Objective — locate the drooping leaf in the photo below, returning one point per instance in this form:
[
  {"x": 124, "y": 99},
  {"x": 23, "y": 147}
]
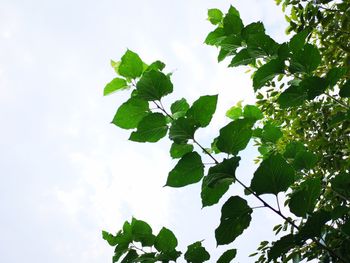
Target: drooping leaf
[
  {"x": 232, "y": 22},
  {"x": 179, "y": 150},
  {"x": 235, "y": 136},
  {"x": 215, "y": 16},
  {"x": 235, "y": 218},
  {"x": 153, "y": 85},
  {"x": 291, "y": 97},
  {"x": 202, "y": 110},
  {"x": 252, "y": 112},
  {"x": 131, "y": 65},
  {"x": 281, "y": 247},
  {"x": 196, "y": 253},
  {"x": 188, "y": 170},
  {"x": 182, "y": 130},
  {"x": 303, "y": 199},
  {"x": 274, "y": 175},
  {"x": 345, "y": 90},
  {"x": 267, "y": 72},
  {"x": 151, "y": 128},
  {"x": 304, "y": 160},
  {"x": 179, "y": 108},
  {"x": 130, "y": 113},
  {"x": 165, "y": 240},
  {"x": 243, "y": 57},
  {"x": 227, "y": 256},
  {"x": 224, "y": 171},
  {"x": 115, "y": 85},
  {"x": 212, "y": 195},
  {"x": 271, "y": 133},
  {"x": 305, "y": 60}
]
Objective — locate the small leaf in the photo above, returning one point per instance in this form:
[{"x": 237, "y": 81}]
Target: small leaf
[
  {"x": 215, "y": 16},
  {"x": 304, "y": 160},
  {"x": 345, "y": 90},
  {"x": 232, "y": 22},
  {"x": 303, "y": 199},
  {"x": 267, "y": 72},
  {"x": 291, "y": 97},
  {"x": 252, "y": 29},
  {"x": 196, "y": 253},
  {"x": 130, "y": 113},
  {"x": 243, "y": 57},
  {"x": 131, "y": 65},
  {"x": 179, "y": 150},
  {"x": 224, "y": 171},
  {"x": 234, "y": 112},
  {"x": 271, "y": 133},
  {"x": 261, "y": 45},
  {"x": 130, "y": 257},
  {"x": 188, "y": 170},
  {"x": 156, "y": 65},
  {"x": 115, "y": 65},
  {"x": 202, "y": 110},
  {"x": 215, "y": 37},
  {"x": 274, "y": 175},
  {"x": 252, "y": 112},
  {"x": 154, "y": 85},
  {"x": 115, "y": 85},
  {"x": 165, "y": 240},
  {"x": 235, "y": 218},
  {"x": 151, "y": 128},
  {"x": 168, "y": 256},
  {"x": 227, "y": 256},
  {"x": 181, "y": 130},
  {"x": 112, "y": 240},
  {"x": 235, "y": 136}
]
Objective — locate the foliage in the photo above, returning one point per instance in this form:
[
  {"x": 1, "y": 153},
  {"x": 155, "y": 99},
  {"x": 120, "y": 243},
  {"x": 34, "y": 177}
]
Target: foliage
[{"x": 300, "y": 124}]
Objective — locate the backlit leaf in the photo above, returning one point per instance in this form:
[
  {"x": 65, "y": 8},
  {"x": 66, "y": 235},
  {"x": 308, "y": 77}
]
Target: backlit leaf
[
  {"x": 115, "y": 85},
  {"x": 179, "y": 150},
  {"x": 267, "y": 72},
  {"x": 215, "y": 16},
  {"x": 131, "y": 65},
  {"x": 202, "y": 110}
]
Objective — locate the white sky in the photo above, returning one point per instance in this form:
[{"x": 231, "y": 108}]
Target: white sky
[{"x": 66, "y": 173}]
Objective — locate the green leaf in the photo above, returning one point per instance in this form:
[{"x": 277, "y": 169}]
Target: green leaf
[
  {"x": 212, "y": 195},
  {"x": 292, "y": 149},
  {"x": 242, "y": 58},
  {"x": 168, "y": 256},
  {"x": 297, "y": 42},
  {"x": 215, "y": 16},
  {"x": 227, "y": 256},
  {"x": 182, "y": 130},
  {"x": 234, "y": 112},
  {"x": 224, "y": 171},
  {"x": 154, "y": 85},
  {"x": 120, "y": 250},
  {"x": 252, "y": 112},
  {"x": 142, "y": 232},
  {"x": 341, "y": 184},
  {"x": 115, "y": 65},
  {"x": 151, "y": 128},
  {"x": 231, "y": 43},
  {"x": 267, "y": 72},
  {"x": 196, "y": 253},
  {"x": 112, "y": 240},
  {"x": 131, "y": 65},
  {"x": 202, "y": 110},
  {"x": 253, "y": 29},
  {"x": 235, "y": 136},
  {"x": 215, "y": 37},
  {"x": 130, "y": 113},
  {"x": 314, "y": 225},
  {"x": 274, "y": 175},
  {"x": 188, "y": 170},
  {"x": 304, "y": 160},
  {"x": 179, "y": 150},
  {"x": 345, "y": 90},
  {"x": 314, "y": 86},
  {"x": 130, "y": 257},
  {"x": 303, "y": 199},
  {"x": 115, "y": 85},
  {"x": 261, "y": 45},
  {"x": 281, "y": 247},
  {"x": 179, "y": 108},
  {"x": 235, "y": 218},
  {"x": 232, "y": 22},
  {"x": 334, "y": 75},
  {"x": 305, "y": 60},
  {"x": 291, "y": 97},
  {"x": 271, "y": 133},
  {"x": 156, "y": 65},
  {"x": 165, "y": 240}
]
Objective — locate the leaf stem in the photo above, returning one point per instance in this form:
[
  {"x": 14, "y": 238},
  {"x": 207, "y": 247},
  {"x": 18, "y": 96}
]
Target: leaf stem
[
  {"x": 338, "y": 101},
  {"x": 278, "y": 203}
]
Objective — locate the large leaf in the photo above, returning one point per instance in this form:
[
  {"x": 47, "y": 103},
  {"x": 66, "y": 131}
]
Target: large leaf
[
  {"x": 314, "y": 225},
  {"x": 215, "y": 37},
  {"x": 314, "y": 86},
  {"x": 267, "y": 72},
  {"x": 188, "y": 170},
  {"x": 252, "y": 29},
  {"x": 341, "y": 184},
  {"x": 291, "y": 97},
  {"x": 165, "y": 240},
  {"x": 261, "y": 45},
  {"x": 227, "y": 256},
  {"x": 281, "y": 247},
  {"x": 182, "y": 130},
  {"x": 224, "y": 171},
  {"x": 297, "y": 42},
  {"x": 179, "y": 108},
  {"x": 274, "y": 175},
  {"x": 304, "y": 160},
  {"x": 142, "y": 232},
  {"x": 305, "y": 60},
  {"x": 179, "y": 150},
  {"x": 151, "y": 128},
  {"x": 235, "y": 218},
  {"x": 154, "y": 85},
  {"x": 196, "y": 253},
  {"x": 215, "y": 16},
  {"x": 345, "y": 90},
  {"x": 130, "y": 113},
  {"x": 131, "y": 65},
  {"x": 243, "y": 57},
  {"x": 235, "y": 136},
  {"x": 271, "y": 133},
  {"x": 212, "y": 195},
  {"x": 293, "y": 148},
  {"x": 252, "y": 112},
  {"x": 115, "y": 85},
  {"x": 303, "y": 199},
  {"x": 202, "y": 110},
  {"x": 232, "y": 22}
]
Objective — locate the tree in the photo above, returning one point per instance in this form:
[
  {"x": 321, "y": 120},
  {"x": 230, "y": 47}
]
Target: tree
[{"x": 300, "y": 124}]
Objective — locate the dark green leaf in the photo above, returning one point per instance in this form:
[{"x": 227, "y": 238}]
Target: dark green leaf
[
  {"x": 231, "y": 43},
  {"x": 202, "y": 110},
  {"x": 334, "y": 75},
  {"x": 215, "y": 16},
  {"x": 314, "y": 225},
  {"x": 165, "y": 240},
  {"x": 305, "y": 60},
  {"x": 120, "y": 250},
  {"x": 154, "y": 85},
  {"x": 341, "y": 184},
  {"x": 115, "y": 85},
  {"x": 252, "y": 112},
  {"x": 271, "y": 133},
  {"x": 303, "y": 199},
  {"x": 179, "y": 150},
  {"x": 242, "y": 58},
  {"x": 232, "y": 22},
  {"x": 151, "y": 128},
  {"x": 142, "y": 232},
  {"x": 188, "y": 170},
  {"x": 261, "y": 45},
  {"x": 180, "y": 106},
  {"x": 130, "y": 113},
  {"x": 227, "y": 256},
  {"x": 297, "y": 42},
  {"x": 345, "y": 90},
  {"x": 156, "y": 65},
  {"x": 112, "y": 240},
  {"x": 274, "y": 175},
  {"x": 235, "y": 136},
  {"x": 291, "y": 97},
  {"x": 314, "y": 86},
  {"x": 292, "y": 149},
  {"x": 131, "y": 65},
  {"x": 281, "y": 247},
  {"x": 168, "y": 256},
  {"x": 130, "y": 257},
  {"x": 304, "y": 160},
  {"x": 212, "y": 195},
  {"x": 196, "y": 253},
  {"x": 224, "y": 171},
  {"x": 215, "y": 37},
  {"x": 182, "y": 130},
  {"x": 235, "y": 218},
  {"x": 253, "y": 29},
  {"x": 234, "y": 112},
  {"x": 267, "y": 72}
]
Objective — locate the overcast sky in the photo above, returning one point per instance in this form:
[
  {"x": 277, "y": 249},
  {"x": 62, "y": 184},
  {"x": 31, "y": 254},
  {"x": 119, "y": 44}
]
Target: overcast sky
[{"x": 66, "y": 172}]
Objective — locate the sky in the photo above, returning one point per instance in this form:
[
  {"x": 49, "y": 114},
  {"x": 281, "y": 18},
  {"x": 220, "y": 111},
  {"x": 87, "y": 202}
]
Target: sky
[{"x": 66, "y": 172}]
